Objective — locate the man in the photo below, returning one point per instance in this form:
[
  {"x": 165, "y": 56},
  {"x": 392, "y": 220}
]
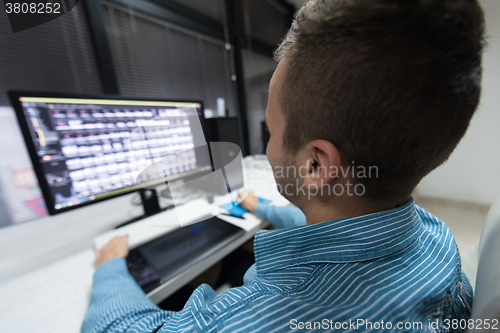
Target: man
[{"x": 368, "y": 97}]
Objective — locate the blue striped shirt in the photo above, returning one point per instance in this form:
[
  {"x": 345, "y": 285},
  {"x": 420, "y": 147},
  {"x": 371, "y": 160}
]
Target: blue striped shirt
[{"x": 389, "y": 271}]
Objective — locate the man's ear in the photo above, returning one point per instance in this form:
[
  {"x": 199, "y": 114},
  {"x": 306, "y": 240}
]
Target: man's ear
[{"x": 323, "y": 164}]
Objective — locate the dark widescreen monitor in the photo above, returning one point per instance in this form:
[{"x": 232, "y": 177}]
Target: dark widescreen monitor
[{"x": 86, "y": 149}]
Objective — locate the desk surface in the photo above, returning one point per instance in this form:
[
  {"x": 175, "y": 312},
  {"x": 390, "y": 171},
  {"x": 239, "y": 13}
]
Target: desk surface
[
  {"x": 51, "y": 299},
  {"x": 54, "y": 298}
]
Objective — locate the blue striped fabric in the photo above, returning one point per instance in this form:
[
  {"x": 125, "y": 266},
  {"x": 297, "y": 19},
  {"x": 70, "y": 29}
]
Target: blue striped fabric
[{"x": 392, "y": 271}]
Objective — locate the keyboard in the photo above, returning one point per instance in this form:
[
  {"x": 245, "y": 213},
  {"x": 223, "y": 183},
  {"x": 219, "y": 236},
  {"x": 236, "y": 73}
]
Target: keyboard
[{"x": 154, "y": 226}]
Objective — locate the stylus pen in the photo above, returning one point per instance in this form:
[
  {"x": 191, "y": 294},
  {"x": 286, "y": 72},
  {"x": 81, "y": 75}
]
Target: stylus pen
[{"x": 239, "y": 217}]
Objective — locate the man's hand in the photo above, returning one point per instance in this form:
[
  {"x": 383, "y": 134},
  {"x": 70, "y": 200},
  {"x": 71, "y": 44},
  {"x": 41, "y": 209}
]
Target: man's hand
[
  {"x": 248, "y": 200},
  {"x": 115, "y": 248}
]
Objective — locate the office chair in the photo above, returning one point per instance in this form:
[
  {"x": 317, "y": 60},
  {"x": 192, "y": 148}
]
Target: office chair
[{"x": 487, "y": 293}]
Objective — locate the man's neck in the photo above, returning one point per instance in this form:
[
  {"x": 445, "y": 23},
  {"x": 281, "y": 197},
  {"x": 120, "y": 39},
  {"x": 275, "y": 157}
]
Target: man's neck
[{"x": 319, "y": 210}]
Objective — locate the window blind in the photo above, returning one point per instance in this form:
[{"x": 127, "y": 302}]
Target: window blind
[
  {"x": 56, "y": 56},
  {"x": 258, "y": 71},
  {"x": 154, "y": 58},
  {"x": 212, "y": 8},
  {"x": 266, "y": 20}
]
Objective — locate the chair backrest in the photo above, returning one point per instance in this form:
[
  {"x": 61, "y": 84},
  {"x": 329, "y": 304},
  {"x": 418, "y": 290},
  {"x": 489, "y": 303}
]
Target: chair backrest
[{"x": 487, "y": 294}]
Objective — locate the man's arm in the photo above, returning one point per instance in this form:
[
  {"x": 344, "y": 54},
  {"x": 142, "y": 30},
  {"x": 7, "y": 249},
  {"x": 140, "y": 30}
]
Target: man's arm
[
  {"x": 117, "y": 302},
  {"x": 280, "y": 217}
]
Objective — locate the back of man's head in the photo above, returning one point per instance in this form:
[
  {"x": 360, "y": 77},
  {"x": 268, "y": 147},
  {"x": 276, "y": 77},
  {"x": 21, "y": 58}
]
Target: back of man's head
[{"x": 391, "y": 83}]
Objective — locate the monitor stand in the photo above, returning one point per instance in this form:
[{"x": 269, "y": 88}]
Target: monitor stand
[
  {"x": 150, "y": 203},
  {"x": 149, "y": 198}
]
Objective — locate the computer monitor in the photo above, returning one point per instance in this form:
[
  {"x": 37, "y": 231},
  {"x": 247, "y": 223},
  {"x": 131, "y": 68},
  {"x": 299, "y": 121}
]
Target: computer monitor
[{"x": 86, "y": 149}]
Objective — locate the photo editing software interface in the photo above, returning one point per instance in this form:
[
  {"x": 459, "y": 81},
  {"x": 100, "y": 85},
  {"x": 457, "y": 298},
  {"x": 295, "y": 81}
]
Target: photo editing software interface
[{"x": 91, "y": 149}]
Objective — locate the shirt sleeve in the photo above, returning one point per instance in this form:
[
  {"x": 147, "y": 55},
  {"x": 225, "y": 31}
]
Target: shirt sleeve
[
  {"x": 281, "y": 217},
  {"x": 117, "y": 303},
  {"x": 462, "y": 306}
]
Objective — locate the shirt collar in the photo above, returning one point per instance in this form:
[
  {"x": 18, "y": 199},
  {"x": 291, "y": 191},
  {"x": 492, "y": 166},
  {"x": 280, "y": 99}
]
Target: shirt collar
[{"x": 346, "y": 240}]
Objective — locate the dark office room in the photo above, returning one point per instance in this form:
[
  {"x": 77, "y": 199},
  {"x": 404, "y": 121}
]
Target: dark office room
[{"x": 249, "y": 166}]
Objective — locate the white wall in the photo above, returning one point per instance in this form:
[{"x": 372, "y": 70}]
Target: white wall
[{"x": 473, "y": 171}]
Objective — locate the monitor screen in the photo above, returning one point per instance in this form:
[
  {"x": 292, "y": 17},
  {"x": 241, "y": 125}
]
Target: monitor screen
[{"x": 86, "y": 149}]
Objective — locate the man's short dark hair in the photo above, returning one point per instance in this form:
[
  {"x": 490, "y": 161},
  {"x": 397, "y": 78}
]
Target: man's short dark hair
[{"x": 391, "y": 83}]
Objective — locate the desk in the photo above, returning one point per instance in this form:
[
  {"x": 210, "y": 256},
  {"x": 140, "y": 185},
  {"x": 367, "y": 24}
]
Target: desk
[{"x": 54, "y": 298}]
